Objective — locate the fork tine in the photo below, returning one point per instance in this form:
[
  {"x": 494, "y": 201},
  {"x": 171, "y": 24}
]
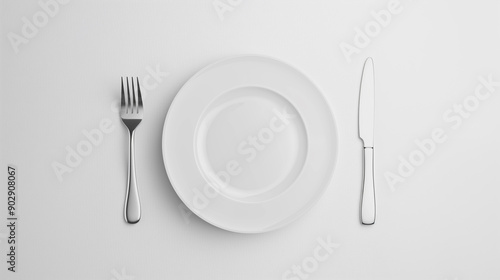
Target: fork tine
[
  {"x": 122, "y": 97},
  {"x": 139, "y": 96},
  {"x": 128, "y": 96},
  {"x": 134, "y": 104}
]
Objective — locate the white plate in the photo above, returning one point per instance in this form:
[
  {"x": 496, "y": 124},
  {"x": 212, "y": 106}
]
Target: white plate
[{"x": 249, "y": 144}]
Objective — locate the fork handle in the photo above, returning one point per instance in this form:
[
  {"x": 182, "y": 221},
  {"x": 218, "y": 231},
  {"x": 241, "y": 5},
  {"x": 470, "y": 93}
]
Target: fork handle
[
  {"x": 368, "y": 208},
  {"x": 132, "y": 202}
]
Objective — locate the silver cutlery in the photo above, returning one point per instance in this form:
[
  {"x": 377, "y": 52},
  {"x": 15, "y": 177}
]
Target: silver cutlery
[
  {"x": 131, "y": 113},
  {"x": 366, "y": 123}
]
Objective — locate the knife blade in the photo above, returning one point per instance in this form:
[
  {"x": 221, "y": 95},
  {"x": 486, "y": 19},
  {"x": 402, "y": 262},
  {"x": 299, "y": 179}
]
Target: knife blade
[{"x": 366, "y": 131}]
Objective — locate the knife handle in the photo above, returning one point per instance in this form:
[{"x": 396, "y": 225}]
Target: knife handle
[{"x": 368, "y": 196}]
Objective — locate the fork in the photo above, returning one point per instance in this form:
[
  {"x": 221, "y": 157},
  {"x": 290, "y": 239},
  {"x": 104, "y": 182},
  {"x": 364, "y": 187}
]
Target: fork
[{"x": 131, "y": 113}]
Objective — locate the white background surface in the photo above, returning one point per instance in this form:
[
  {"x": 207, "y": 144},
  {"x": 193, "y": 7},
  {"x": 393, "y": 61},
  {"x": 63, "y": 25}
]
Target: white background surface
[{"x": 442, "y": 222}]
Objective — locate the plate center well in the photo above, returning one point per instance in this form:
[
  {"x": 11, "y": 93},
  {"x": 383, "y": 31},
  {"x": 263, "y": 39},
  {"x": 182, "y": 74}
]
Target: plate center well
[{"x": 250, "y": 144}]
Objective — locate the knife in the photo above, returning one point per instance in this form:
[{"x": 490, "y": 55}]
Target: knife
[{"x": 366, "y": 120}]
